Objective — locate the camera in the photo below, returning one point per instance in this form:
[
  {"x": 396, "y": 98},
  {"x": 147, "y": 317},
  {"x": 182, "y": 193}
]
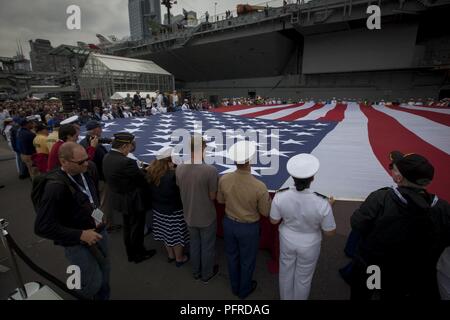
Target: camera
[
  {"x": 101, "y": 140},
  {"x": 105, "y": 140}
]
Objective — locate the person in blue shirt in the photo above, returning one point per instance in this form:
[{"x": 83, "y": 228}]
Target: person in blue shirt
[{"x": 25, "y": 145}]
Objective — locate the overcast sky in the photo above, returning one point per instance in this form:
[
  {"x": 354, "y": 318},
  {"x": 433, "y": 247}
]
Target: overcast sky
[{"x": 46, "y": 19}]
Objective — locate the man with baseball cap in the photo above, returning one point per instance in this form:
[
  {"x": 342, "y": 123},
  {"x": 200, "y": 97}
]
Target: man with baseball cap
[
  {"x": 305, "y": 215},
  {"x": 246, "y": 199},
  {"x": 94, "y": 133},
  {"x": 403, "y": 230}
]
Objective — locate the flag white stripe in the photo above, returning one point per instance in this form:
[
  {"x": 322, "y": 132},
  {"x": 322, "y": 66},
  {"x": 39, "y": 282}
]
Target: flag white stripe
[
  {"x": 316, "y": 114},
  {"x": 432, "y": 132},
  {"x": 286, "y": 112},
  {"x": 348, "y": 165},
  {"x": 255, "y": 109},
  {"x": 444, "y": 111}
]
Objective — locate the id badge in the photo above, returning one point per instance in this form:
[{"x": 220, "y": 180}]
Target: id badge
[{"x": 97, "y": 214}]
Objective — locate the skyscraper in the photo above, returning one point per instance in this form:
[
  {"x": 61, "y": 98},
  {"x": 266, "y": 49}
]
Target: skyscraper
[{"x": 143, "y": 14}]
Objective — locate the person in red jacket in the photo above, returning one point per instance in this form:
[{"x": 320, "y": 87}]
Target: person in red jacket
[{"x": 68, "y": 132}]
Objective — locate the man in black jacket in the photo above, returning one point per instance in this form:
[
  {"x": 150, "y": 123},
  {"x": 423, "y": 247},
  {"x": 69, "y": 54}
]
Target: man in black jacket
[
  {"x": 68, "y": 215},
  {"x": 125, "y": 183},
  {"x": 403, "y": 230}
]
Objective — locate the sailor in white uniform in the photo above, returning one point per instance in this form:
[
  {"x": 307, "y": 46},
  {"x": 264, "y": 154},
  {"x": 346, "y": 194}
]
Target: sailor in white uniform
[{"x": 304, "y": 215}]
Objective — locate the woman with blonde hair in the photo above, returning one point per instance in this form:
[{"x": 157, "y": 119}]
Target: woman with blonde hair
[{"x": 168, "y": 218}]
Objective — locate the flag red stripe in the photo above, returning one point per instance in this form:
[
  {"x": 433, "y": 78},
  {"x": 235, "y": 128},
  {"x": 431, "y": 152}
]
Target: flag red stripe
[
  {"x": 387, "y": 134},
  {"x": 239, "y": 107},
  {"x": 300, "y": 113},
  {"x": 430, "y": 115},
  {"x": 269, "y": 111},
  {"x": 335, "y": 114}
]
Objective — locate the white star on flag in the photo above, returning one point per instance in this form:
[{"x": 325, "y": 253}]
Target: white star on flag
[
  {"x": 275, "y": 152},
  {"x": 290, "y": 141},
  {"x": 232, "y": 168},
  {"x": 140, "y": 124},
  {"x": 321, "y": 124},
  {"x": 110, "y": 124},
  {"x": 165, "y": 125},
  {"x": 132, "y": 130},
  {"x": 165, "y": 137},
  {"x": 163, "y": 130},
  {"x": 296, "y": 126},
  {"x": 313, "y": 129},
  {"x": 272, "y": 135},
  {"x": 303, "y": 134},
  {"x": 214, "y": 144},
  {"x": 221, "y": 153}
]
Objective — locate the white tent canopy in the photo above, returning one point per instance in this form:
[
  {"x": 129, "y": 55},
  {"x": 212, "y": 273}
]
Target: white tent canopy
[
  {"x": 123, "y": 95},
  {"x": 116, "y": 63}
]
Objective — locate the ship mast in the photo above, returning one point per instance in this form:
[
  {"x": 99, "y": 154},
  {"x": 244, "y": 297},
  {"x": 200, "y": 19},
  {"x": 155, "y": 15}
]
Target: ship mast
[{"x": 168, "y": 4}]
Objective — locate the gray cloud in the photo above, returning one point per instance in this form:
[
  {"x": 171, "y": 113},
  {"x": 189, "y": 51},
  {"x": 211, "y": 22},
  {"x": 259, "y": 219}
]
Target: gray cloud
[{"x": 46, "y": 19}]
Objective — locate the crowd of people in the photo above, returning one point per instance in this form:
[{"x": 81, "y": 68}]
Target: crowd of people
[
  {"x": 80, "y": 188},
  {"x": 236, "y": 101}
]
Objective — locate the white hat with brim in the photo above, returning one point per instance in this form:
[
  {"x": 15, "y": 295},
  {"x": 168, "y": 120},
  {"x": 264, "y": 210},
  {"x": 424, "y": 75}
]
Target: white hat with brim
[
  {"x": 164, "y": 153},
  {"x": 69, "y": 120},
  {"x": 303, "y": 166},
  {"x": 242, "y": 151}
]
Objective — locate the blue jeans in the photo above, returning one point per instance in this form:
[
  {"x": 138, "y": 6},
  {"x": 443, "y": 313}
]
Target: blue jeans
[
  {"x": 241, "y": 248},
  {"x": 203, "y": 246},
  {"x": 21, "y": 167},
  {"x": 94, "y": 275}
]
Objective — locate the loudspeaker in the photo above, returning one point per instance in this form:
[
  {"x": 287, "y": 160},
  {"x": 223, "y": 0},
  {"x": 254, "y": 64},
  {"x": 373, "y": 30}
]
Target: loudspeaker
[
  {"x": 89, "y": 105},
  {"x": 70, "y": 100}
]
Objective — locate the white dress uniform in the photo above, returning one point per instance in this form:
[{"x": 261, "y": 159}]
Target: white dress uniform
[
  {"x": 443, "y": 274},
  {"x": 304, "y": 215}
]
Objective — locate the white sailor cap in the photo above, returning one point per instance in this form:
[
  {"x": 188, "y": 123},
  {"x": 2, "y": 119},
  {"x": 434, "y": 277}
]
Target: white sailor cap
[
  {"x": 164, "y": 152},
  {"x": 70, "y": 120},
  {"x": 242, "y": 151},
  {"x": 303, "y": 166}
]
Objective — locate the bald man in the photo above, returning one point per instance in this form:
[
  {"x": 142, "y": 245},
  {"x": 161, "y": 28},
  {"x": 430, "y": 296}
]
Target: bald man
[{"x": 68, "y": 214}]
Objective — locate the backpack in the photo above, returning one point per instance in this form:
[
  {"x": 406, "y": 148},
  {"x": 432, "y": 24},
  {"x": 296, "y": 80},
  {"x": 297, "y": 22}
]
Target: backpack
[{"x": 39, "y": 183}]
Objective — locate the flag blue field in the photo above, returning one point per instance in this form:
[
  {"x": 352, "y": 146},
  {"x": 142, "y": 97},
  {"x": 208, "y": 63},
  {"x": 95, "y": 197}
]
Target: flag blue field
[{"x": 352, "y": 141}]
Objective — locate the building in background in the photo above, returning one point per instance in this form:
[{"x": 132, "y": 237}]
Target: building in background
[
  {"x": 104, "y": 75},
  {"x": 43, "y": 61},
  {"x": 145, "y": 18}
]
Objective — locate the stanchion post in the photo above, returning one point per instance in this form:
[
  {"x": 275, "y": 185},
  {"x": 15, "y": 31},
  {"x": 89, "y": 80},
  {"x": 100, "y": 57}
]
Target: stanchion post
[{"x": 4, "y": 232}]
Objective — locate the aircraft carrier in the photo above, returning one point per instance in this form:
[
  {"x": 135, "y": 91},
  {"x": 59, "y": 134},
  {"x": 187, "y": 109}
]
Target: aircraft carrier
[{"x": 320, "y": 49}]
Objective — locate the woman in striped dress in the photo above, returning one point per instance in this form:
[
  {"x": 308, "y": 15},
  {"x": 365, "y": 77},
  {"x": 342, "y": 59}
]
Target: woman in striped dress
[{"x": 168, "y": 219}]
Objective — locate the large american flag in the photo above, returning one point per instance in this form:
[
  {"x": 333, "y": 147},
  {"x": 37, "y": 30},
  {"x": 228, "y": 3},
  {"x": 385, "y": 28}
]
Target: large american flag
[{"x": 351, "y": 140}]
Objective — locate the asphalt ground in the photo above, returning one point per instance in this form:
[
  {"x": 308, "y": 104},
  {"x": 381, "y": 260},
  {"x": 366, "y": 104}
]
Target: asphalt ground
[{"x": 154, "y": 278}]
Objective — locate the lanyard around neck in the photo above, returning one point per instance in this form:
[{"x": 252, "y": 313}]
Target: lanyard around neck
[{"x": 84, "y": 189}]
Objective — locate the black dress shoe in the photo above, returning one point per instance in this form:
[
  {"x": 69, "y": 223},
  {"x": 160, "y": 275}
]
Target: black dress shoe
[
  {"x": 254, "y": 285},
  {"x": 144, "y": 256}
]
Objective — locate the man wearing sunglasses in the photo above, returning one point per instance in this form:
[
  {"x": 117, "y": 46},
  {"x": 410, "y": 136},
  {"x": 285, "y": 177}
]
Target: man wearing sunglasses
[
  {"x": 403, "y": 230},
  {"x": 69, "y": 215}
]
